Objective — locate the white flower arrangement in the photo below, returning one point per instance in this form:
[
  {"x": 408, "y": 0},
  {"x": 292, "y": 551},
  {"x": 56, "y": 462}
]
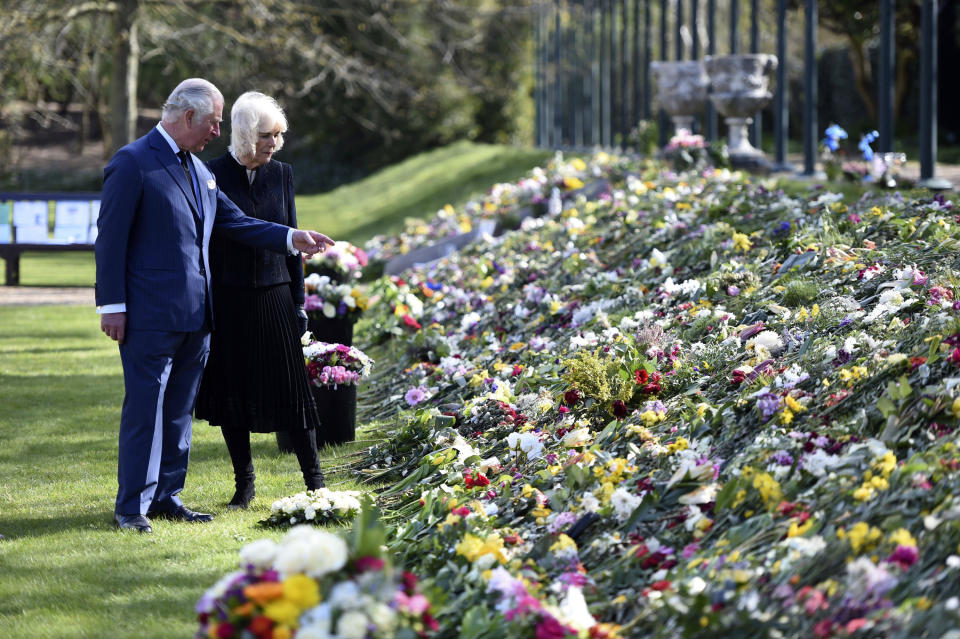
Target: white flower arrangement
[{"x": 315, "y": 507}]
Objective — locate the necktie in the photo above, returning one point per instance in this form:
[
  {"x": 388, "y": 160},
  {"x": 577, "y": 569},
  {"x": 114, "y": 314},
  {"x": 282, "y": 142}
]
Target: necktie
[{"x": 185, "y": 163}]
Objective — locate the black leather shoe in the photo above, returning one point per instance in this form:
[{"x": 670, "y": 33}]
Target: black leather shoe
[
  {"x": 133, "y": 522},
  {"x": 182, "y": 513}
]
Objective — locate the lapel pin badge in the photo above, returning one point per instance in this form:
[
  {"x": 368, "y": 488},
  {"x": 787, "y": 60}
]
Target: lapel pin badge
[{"x": 211, "y": 184}]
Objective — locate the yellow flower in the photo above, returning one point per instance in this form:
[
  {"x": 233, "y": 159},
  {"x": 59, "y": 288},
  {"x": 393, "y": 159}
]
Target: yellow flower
[
  {"x": 886, "y": 464},
  {"x": 651, "y": 417},
  {"x": 902, "y": 537},
  {"x": 301, "y": 590},
  {"x": 786, "y": 416},
  {"x": 863, "y": 536},
  {"x": 473, "y": 547},
  {"x": 282, "y": 632},
  {"x": 741, "y": 242},
  {"x": 283, "y": 611},
  {"x": 578, "y": 164},
  {"x": 677, "y": 446},
  {"x": 769, "y": 489},
  {"x": 955, "y": 408},
  {"x": 797, "y": 530},
  {"x": 793, "y": 404},
  {"x": 563, "y": 542}
]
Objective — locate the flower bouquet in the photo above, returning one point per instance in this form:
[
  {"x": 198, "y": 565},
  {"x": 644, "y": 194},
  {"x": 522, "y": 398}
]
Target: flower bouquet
[
  {"x": 335, "y": 365},
  {"x": 320, "y": 506},
  {"x": 314, "y": 584},
  {"x": 327, "y": 299},
  {"x": 341, "y": 262}
]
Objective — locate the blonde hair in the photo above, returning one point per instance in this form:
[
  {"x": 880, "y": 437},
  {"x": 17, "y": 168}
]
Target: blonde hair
[
  {"x": 252, "y": 113},
  {"x": 193, "y": 93}
]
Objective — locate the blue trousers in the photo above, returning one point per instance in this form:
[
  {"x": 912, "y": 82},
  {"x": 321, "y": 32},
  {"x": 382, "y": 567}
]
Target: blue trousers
[{"x": 161, "y": 375}]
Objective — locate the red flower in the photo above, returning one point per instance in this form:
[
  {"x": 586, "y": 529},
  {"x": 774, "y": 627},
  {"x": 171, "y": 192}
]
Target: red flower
[
  {"x": 823, "y": 629},
  {"x": 640, "y": 376},
  {"x": 225, "y": 630},
  {"x": 661, "y": 585},
  {"x": 955, "y": 356},
  {"x": 461, "y": 511},
  {"x": 480, "y": 479},
  {"x": 737, "y": 378},
  {"x": 917, "y": 362},
  {"x": 412, "y": 323},
  {"x": 261, "y": 626},
  {"x": 550, "y": 628},
  {"x": 409, "y": 582},
  {"x": 517, "y": 369},
  {"x": 619, "y": 409},
  {"x": 571, "y": 397},
  {"x": 369, "y": 564}
]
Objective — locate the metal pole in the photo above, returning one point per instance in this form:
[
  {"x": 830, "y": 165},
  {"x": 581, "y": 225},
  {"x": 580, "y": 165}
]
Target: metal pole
[
  {"x": 678, "y": 31},
  {"x": 711, "y": 50},
  {"x": 537, "y": 83},
  {"x": 810, "y": 91},
  {"x": 928, "y": 99},
  {"x": 558, "y": 79},
  {"x": 595, "y": 86},
  {"x": 757, "y": 124},
  {"x": 635, "y": 113},
  {"x": 647, "y": 55},
  {"x": 605, "y": 73},
  {"x": 885, "y": 78},
  {"x": 694, "y": 30},
  {"x": 781, "y": 111},
  {"x": 624, "y": 77},
  {"x": 734, "y": 20},
  {"x": 664, "y": 123}
]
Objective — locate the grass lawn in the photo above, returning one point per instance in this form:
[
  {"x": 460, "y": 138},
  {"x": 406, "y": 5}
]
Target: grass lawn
[
  {"x": 379, "y": 204},
  {"x": 66, "y": 571}
]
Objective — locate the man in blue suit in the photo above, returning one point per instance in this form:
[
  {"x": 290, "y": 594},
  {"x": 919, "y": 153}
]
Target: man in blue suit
[{"x": 159, "y": 206}]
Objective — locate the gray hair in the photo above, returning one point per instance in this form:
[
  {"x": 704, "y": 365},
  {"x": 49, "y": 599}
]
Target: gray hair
[
  {"x": 193, "y": 93},
  {"x": 252, "y": 113}
]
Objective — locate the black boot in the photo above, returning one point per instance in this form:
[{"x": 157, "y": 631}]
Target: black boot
[
  {"x": 238, "y": 445},
  {"x": 305, "y": 446}
]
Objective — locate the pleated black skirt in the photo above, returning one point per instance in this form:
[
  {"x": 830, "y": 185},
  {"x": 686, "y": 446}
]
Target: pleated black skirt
[{"x": 255, "y": 378}]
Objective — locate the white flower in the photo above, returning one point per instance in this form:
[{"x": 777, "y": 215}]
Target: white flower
[
  {"x": 574, "y": 611},
  {"x": 577, "y": 437},
  {"x": 767, "y": 340},
  {"x": 309, "y": 551},
  {"x": 329, "y": 310},
  {"x": 624, "y": 503},
  {"x": 589, "y": 503},
  {"x": 353, "y": 625},
  {"x": 696, "y": 585},
  {"x": 344, "y": 595},
  {"x": 259, "y": 554},
  {"x": 527, "y": 442}
]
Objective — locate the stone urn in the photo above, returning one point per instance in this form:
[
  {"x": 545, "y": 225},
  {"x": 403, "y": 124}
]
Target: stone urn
[
  {"x": 681, "y": 90},
  {"x": 740, "y": 87}
]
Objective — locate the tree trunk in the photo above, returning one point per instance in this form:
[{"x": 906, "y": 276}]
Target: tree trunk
[{"x": 123, "y": 80}]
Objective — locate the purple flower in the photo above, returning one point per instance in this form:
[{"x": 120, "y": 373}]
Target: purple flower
[
  {"x": 782, "y": 458},
  {"x": 769, "y": 404},
  {"x": 415, "y": 395},
  {"x": 733, "y": 291}
]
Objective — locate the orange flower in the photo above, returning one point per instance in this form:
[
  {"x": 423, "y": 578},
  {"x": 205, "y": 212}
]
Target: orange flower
[{"x": 264, "y": 591}]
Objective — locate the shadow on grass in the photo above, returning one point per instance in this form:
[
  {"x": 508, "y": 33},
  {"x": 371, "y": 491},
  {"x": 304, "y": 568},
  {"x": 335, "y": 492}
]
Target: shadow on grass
[{"x": 27, "y": 527}]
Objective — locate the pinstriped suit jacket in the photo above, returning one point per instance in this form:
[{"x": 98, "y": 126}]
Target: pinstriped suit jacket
[{"x": 151, "y": 247}]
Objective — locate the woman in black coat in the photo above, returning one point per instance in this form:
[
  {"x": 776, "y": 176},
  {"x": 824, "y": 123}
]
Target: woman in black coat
[{"x": 255, "y": 379}]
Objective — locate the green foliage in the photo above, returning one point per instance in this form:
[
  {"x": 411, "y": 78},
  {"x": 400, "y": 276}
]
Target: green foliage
[{"x": 599, "y": 376}]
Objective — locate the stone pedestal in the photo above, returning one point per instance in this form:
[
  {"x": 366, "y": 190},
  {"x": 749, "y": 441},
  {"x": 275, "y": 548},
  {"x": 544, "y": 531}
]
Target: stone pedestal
[
  {"x": 740, "y": 88},
  {"x": 681, "y": 90}
]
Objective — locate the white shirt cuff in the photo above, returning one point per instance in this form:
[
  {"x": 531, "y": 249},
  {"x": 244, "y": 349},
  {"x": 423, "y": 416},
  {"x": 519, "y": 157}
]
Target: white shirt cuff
[
  {"x": 290, "y": 249},
  {"x": 112, "y": 308}
]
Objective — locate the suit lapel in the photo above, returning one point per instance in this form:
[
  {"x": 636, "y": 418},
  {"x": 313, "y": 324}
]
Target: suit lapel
[{"x": 168, "y": 159}]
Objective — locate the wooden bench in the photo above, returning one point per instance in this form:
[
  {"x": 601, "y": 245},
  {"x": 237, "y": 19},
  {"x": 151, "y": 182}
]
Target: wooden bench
[{"x": 11, "y": 251}]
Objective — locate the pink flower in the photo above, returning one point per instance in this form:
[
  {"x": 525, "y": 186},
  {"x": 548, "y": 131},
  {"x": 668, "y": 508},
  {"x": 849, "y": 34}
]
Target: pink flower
[
  {"x": 368, "y": 564},
  {"x": 416, "y": 605},
  {"x": 906, "y": 556},
  {"x": 550, "y": 628},
  {"x": 415, "y": 395}
]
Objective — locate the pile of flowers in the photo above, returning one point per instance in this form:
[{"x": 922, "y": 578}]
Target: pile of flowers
[
  {"x": 320, "y": 506},
  {"x": 334, "y": 365},
  {"x": 325, "y": 298},
  {"x": 314, "y": 584},
  {"x": 341, "y": 262},
  {"x": 691, "y": 405}
]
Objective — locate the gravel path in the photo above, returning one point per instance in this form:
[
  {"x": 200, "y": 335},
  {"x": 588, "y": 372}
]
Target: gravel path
[{"x": 31, "y": 295}]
